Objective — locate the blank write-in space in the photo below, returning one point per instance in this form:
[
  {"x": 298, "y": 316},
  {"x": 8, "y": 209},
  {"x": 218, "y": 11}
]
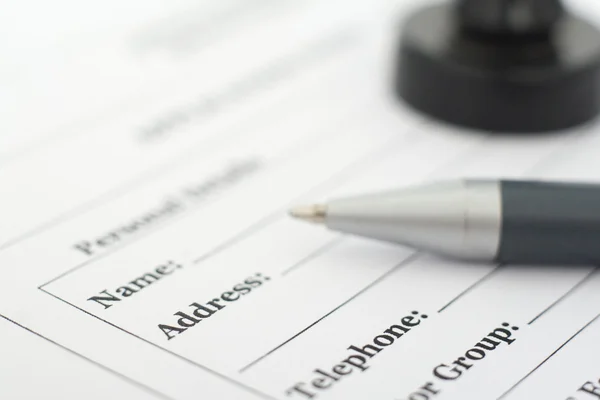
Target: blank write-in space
[{"x": 403, "y": 263}]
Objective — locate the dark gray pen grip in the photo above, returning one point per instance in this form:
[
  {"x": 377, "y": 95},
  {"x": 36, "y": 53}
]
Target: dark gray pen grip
[{"x": 550, "y": 223}]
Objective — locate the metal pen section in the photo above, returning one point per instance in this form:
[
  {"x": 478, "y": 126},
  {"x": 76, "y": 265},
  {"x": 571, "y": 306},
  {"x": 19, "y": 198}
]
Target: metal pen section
[{"x": 459, "y": 219}]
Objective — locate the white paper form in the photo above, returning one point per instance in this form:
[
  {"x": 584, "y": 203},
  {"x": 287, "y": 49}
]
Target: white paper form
[
  {"x": 33, "y": 367},
  {"x": 154, "y": 247}
]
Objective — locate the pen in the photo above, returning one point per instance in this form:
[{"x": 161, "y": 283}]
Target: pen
[{"x": 532, "y": 222}]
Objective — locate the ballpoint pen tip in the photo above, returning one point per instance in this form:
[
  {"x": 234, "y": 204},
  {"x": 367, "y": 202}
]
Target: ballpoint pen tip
[{"x": 312, "y": 213}]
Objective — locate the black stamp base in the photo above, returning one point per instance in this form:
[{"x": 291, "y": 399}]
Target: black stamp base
[{"x": 485, "y": 83}]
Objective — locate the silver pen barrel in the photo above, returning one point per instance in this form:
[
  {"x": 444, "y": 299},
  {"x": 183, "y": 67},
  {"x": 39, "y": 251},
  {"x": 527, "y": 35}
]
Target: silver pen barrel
[{"x": 460, "y": 219}]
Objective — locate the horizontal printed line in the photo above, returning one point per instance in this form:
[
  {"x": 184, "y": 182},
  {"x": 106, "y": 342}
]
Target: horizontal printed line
[
  {"x": 176, "y": 355},
  {"x": 403, "y": 263},
  {"x": 101, "y": 366},
  {"x": 547, "y": 358},
  {"x": 315, "y": 254},
  {"x": 564, "y": 296},
  {"x": 467, "y": 290}
]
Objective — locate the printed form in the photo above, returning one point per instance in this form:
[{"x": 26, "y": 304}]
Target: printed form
[{"x": 146, "y": 250}]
